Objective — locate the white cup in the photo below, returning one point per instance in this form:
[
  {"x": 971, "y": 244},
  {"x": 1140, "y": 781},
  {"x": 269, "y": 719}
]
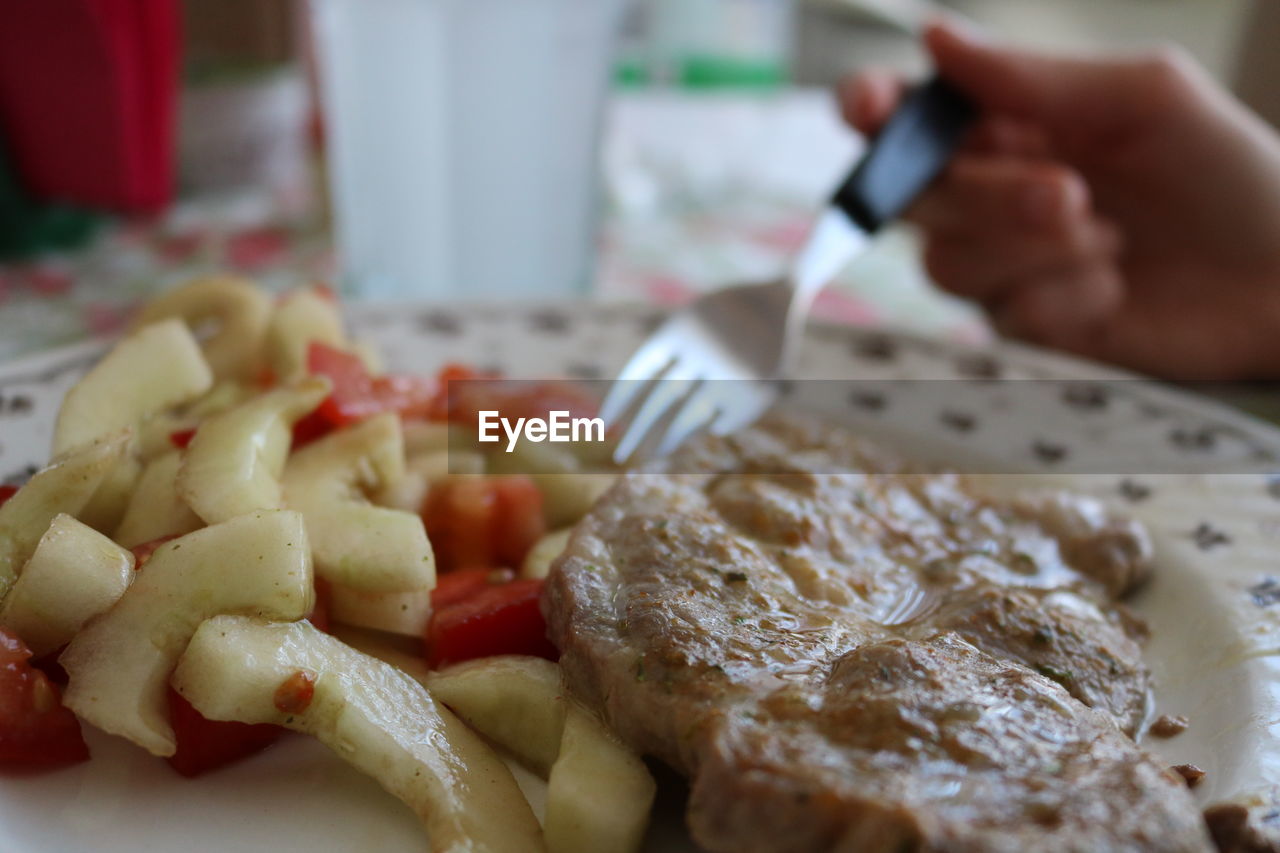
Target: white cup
[{"x": 462, "y": 139}]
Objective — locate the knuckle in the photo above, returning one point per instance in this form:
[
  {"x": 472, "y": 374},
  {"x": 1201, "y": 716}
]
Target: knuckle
[{"x": 1169, "y": 70}]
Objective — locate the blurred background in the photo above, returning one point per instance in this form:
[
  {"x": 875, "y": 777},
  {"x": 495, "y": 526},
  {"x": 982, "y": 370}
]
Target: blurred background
[{"x": 451, "y": 149}]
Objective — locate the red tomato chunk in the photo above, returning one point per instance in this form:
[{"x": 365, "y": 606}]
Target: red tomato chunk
[
  {"x": 497, "y": 620},
  {"x": 481, "y": 522},
  {"x": 453, "y": 587},
  {"x": 356, "y": 395},
  {"x": 36, "y": 730},
  {"x": 205, "y": 744}
]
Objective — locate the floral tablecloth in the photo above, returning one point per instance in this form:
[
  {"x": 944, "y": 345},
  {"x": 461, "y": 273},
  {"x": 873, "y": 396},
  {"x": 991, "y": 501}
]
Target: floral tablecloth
[{"x": 702, "y": 190}]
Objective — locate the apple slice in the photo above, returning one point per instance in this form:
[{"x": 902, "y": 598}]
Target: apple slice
[
  {"x": 155, "y": 510},
  {"x": 119, "y": 664},
  {"x": 537, "y": 563},
  {"x": 568, "y": 490},
  {"x": 235, "y": 312},
  {"x": 302, "y": 317},
  {"x": 370, "y": 713},
  {"x": 155, "y": 437},
  {"x": 599, "y": 794},
  {"x": 74, "y": 574},
  {"x": 355, "y": 543},
  {"x": 109, "y": 503},
  {"x": 370, "y": 356},
  {"x": 155, "y": 368},
  {"x": 567, "y": 497},
  {"x": 422, "y": 471},
  {"x": 514, "y": 700},
  {"x": 234, "y": 462},
  {"x": 65, "y": 486},
  {"x": 421, "y": 437},
  {"x": 404, "y": 613}
]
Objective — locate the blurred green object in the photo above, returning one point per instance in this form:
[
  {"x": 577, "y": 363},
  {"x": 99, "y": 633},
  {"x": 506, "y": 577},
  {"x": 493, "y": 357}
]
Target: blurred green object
[
  {"x": 630, "y": 74},
  {"x": 715, "y": 72},
  {"x": 28, "y": 227}
]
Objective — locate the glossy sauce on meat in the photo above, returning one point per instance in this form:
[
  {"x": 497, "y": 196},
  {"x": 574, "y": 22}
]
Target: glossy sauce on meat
[{"x": 845, "y": 654}]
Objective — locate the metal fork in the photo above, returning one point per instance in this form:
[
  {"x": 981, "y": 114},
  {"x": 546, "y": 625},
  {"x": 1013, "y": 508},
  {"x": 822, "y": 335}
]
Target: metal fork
[{"x": 715, "y": 364}]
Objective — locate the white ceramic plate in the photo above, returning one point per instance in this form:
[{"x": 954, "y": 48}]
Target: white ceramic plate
[{"x": 1189, "y": 469}]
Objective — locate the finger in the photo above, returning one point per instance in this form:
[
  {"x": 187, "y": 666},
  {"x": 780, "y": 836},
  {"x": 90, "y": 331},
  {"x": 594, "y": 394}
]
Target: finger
[
  {"x": 1008, "y": 136},
  {"x": 1153, "y": 337},
  {"x": 983, "y": 193},
  {"x": 1067, "y": 93},
  {"x": 1062, "y": 307},
  {"x": 868, "y": 98},
  {"x": 987, "y": 267}
]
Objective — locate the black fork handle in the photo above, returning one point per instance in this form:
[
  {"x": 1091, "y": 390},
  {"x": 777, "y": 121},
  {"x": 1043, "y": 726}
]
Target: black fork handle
[{"x": 906, "y": 155}]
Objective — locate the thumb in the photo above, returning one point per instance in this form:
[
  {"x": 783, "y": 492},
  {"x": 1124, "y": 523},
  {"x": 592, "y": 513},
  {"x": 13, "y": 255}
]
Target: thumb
[{"x": 1060, "y": 92}]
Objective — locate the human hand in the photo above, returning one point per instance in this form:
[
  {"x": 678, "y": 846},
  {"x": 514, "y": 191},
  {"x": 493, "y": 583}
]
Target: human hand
[{"x": 1122, "y": 208}]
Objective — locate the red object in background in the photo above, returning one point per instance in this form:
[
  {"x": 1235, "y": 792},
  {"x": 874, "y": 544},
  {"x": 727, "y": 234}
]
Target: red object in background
[
  {"x": 36, "y": 730},
  {"x": 88, "y": 98},
  {"x": 7, "y": 492},
  {"x": 497, "y": 620}
]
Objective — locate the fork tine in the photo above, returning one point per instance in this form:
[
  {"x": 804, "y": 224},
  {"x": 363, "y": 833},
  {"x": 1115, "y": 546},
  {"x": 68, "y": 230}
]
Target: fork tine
[
  {"x": 740, "y": 402},
  {"x": 667, "y": 393},
  {"x": 649, "y": 363},
  {"x": 698, "y": 413}
]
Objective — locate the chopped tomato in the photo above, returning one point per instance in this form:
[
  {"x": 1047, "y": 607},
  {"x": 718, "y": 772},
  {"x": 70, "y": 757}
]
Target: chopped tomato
[
  {"x": 478, "y": 522},
  {"x": 36, "y": 730},
  {"x": 497, "y": 620},
  {"x": 309, "y": 428},
  {"x": 460, "y": 516},
  {"x": 205, "y": 744},
  {"x": 452, "y": 406},
  {"x": 142, "y": 553},
  {"x": 7, "y": 492},
  {"x": 181, "y": 438},
  {"x": 520, "y": 523},
  {"x": 356, "y": 395},
  {"x": 453, "y": 587}
]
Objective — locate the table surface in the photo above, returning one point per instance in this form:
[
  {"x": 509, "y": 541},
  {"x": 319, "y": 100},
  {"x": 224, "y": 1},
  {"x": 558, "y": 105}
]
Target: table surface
[{"x": 702, "y": 190}]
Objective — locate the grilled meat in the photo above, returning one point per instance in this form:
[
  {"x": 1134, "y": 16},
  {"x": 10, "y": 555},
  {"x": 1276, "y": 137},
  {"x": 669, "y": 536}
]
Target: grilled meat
[{"x": 844, "y": 653}]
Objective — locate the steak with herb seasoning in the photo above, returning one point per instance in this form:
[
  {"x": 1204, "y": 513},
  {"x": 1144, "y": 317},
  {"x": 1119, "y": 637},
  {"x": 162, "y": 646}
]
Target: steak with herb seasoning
[{"x": 846, "y": 654}]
